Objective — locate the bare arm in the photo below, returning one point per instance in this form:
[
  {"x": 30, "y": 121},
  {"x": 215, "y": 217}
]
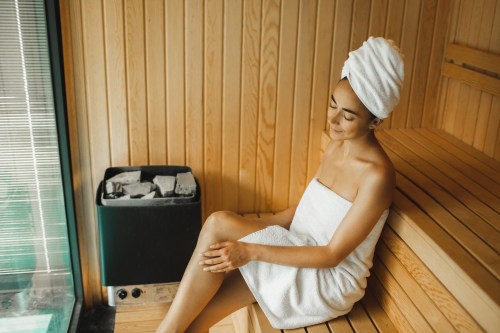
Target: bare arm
[{"x": 374, "y": 196}]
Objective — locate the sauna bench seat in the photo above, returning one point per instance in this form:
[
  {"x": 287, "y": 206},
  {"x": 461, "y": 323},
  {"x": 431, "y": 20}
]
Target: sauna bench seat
[{"x": 436, "y": 266}]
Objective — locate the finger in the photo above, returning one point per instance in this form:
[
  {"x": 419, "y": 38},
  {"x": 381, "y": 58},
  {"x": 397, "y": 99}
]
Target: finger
[
  {"x": 213, "y": 261},
  {"x": 219, "y": 245},
  {"x": 216, "y": 253},
  {"x": 216, "y": 268}
]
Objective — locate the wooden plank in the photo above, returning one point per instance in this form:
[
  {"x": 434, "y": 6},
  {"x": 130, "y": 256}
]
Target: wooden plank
[
  {"x": 340, "y": 325},
  {"x": 359, "y": 23},
  {"x": 341, "y": 39},
  {"x": 443, "y": 299},
  {"x": 302, "y": 102},
  {"x": 450, "y": 105},
  {"x": 319, "y": 328},
  {"x": 96, "y": 157},
  {"x": 136, "y": 82},
  {"x": 459, "y": 117},
  {"x": 474, "y": 57},
  {"x": 432, "y": 90},
  {"x": 231, "y": 100},
  {"x": 284, "y": 103},
  {"x": 174, "y": 18},
  {"x": 130, "y": 314},
  {"x": 377, "y": 314},
  {"x": 399, "y": 294},
  {"x": 470, "y": 283},
  {"x": 155, "y": 81},
  {"x": 491, "y": 137},
  {"x": 320, "y": 89},
  {"x": 483, "y": 43},
  {"x": 409, "y": 48},
  {"x": 395, "y": 16},
  {"x": 72, "y": 35},
  {"x": 242, "y": 322},
  {"x": 494, "y": 43},
  {"x": 483, "y": 253},
  {"x": 472, "y": 156},
  {"x": 194, "y": 91},
  {"x": 468, "y": 164},
  {"x": 443, "y": 90},
  {"x": 249, "y": 104},
  {"x": 259, "y": 320},
  {"x": 359, "y": 320},
  {"x": 490, "y": 165},
  {"x": 480, "y": 193},
  {"x": 444, "y": 189},
  {"x": 213, "y": 105},
  {"x": 116, "y": 81},
  {"x": 471, "y": 115},
  {"x": 146, "y": 326},
  {"x": 378, "y": 17},
  {"x": 419, "y": 298},
  {"x": 389, "y": 305},
  {"x": 267, "y": 104},
  {"x": 483, "y": 114},
  {"x": 474, "y": 79},
  {"x": 440, "y": 205},
  {"x": 447, "y": 153},
  {"x": 426, "y": 26}
]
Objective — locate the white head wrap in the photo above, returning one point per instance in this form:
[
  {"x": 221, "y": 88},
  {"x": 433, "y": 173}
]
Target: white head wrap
[{"x": 376, "y": 72}]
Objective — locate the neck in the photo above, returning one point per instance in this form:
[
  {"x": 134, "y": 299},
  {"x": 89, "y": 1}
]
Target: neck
[{"x": 358, "y": 146}]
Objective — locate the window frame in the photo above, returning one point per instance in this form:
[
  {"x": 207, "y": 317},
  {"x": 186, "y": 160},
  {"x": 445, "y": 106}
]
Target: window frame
[{"x": 52, "y": 13}]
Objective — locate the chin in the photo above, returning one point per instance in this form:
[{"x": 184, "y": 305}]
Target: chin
[{"x": 335, "y": 135}]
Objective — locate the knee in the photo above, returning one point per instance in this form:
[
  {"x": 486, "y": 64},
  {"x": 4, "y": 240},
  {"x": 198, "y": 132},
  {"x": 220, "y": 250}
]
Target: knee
[{"x": 216, "y": 223}]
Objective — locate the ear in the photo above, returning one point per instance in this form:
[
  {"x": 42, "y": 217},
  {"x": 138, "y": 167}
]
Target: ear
[{"x": 375, "y": 123}]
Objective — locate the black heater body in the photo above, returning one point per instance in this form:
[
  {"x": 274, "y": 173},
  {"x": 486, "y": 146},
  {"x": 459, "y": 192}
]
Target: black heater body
[{"x": 147, "y": 244}]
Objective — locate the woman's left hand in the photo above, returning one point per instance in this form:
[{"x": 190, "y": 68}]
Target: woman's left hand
[{"x": 225, "y": 256}]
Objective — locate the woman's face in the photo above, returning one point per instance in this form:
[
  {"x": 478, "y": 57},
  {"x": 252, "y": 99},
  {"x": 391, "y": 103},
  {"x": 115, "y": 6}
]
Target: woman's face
[{"x": 348, "y": 118}]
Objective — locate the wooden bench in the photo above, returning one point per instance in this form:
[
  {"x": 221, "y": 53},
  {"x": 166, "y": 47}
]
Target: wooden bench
[{"x": 436, "y": 266}]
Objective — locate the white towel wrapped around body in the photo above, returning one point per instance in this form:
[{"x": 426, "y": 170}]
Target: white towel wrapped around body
[
  {"x": 376, "y": 73},
  {"x": 294, "y": 297}
]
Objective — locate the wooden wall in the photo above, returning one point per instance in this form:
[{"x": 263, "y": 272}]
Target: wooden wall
[
  {"x": 467, "y": 113},
  {"x": 236, "y": 89}
]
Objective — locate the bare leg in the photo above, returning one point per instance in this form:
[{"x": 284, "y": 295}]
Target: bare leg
[
  {"x": 232, "y": 295},
  {"x": 197, "y": 287}
]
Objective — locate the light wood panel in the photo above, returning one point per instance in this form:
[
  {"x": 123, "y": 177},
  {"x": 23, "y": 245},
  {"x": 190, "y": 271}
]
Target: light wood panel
[
  {"x": 472, "y": 113},
  {"x": 146, "y": 318},
  {"x": 236, "y": 89}
]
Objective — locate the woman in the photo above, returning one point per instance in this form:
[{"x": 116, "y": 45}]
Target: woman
[{"x": 309, "y": 263}]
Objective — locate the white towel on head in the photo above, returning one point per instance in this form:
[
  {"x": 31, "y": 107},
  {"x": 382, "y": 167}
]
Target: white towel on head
[{"x": 376, "y": 72}]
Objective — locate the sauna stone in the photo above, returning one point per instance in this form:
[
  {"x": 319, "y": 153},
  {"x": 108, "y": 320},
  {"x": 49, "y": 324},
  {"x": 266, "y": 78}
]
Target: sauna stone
[
  {"x": 149, "y": 195},
  {"x": 126, "y": 178},
  {"x": 112, "y": 187},
  {"x": 138, "y": 189},
  {"x": 186, "y": 185},
  {"x": 166, "y": 185}
]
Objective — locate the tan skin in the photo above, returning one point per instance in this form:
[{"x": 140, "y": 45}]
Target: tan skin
[{"x": 354, "y": 166}]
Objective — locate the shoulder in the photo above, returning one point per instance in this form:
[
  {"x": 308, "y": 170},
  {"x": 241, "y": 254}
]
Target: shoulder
[{"x": 378, "y": 177}]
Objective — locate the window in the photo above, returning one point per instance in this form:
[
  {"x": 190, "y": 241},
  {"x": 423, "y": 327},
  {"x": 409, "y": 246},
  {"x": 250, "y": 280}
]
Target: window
[{"x": 37, "y": 290}]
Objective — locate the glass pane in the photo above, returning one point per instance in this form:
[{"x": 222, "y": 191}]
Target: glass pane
[{"x": 36, "y": 281}]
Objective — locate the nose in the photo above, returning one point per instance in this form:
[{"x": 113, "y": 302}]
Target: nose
[{"x": 333, "y": 116}]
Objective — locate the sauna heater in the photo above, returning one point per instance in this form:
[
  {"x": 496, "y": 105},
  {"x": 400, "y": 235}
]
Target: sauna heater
[{"x": 145, "y": 245}]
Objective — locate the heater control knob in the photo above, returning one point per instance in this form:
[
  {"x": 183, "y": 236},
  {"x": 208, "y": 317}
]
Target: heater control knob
[
  {"x": 136, "y": 292},
  {"x": 122, "y": 293}
]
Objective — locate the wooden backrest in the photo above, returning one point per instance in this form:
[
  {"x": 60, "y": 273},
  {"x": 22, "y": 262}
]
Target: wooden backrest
[{"x": 476, "y": 68}]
